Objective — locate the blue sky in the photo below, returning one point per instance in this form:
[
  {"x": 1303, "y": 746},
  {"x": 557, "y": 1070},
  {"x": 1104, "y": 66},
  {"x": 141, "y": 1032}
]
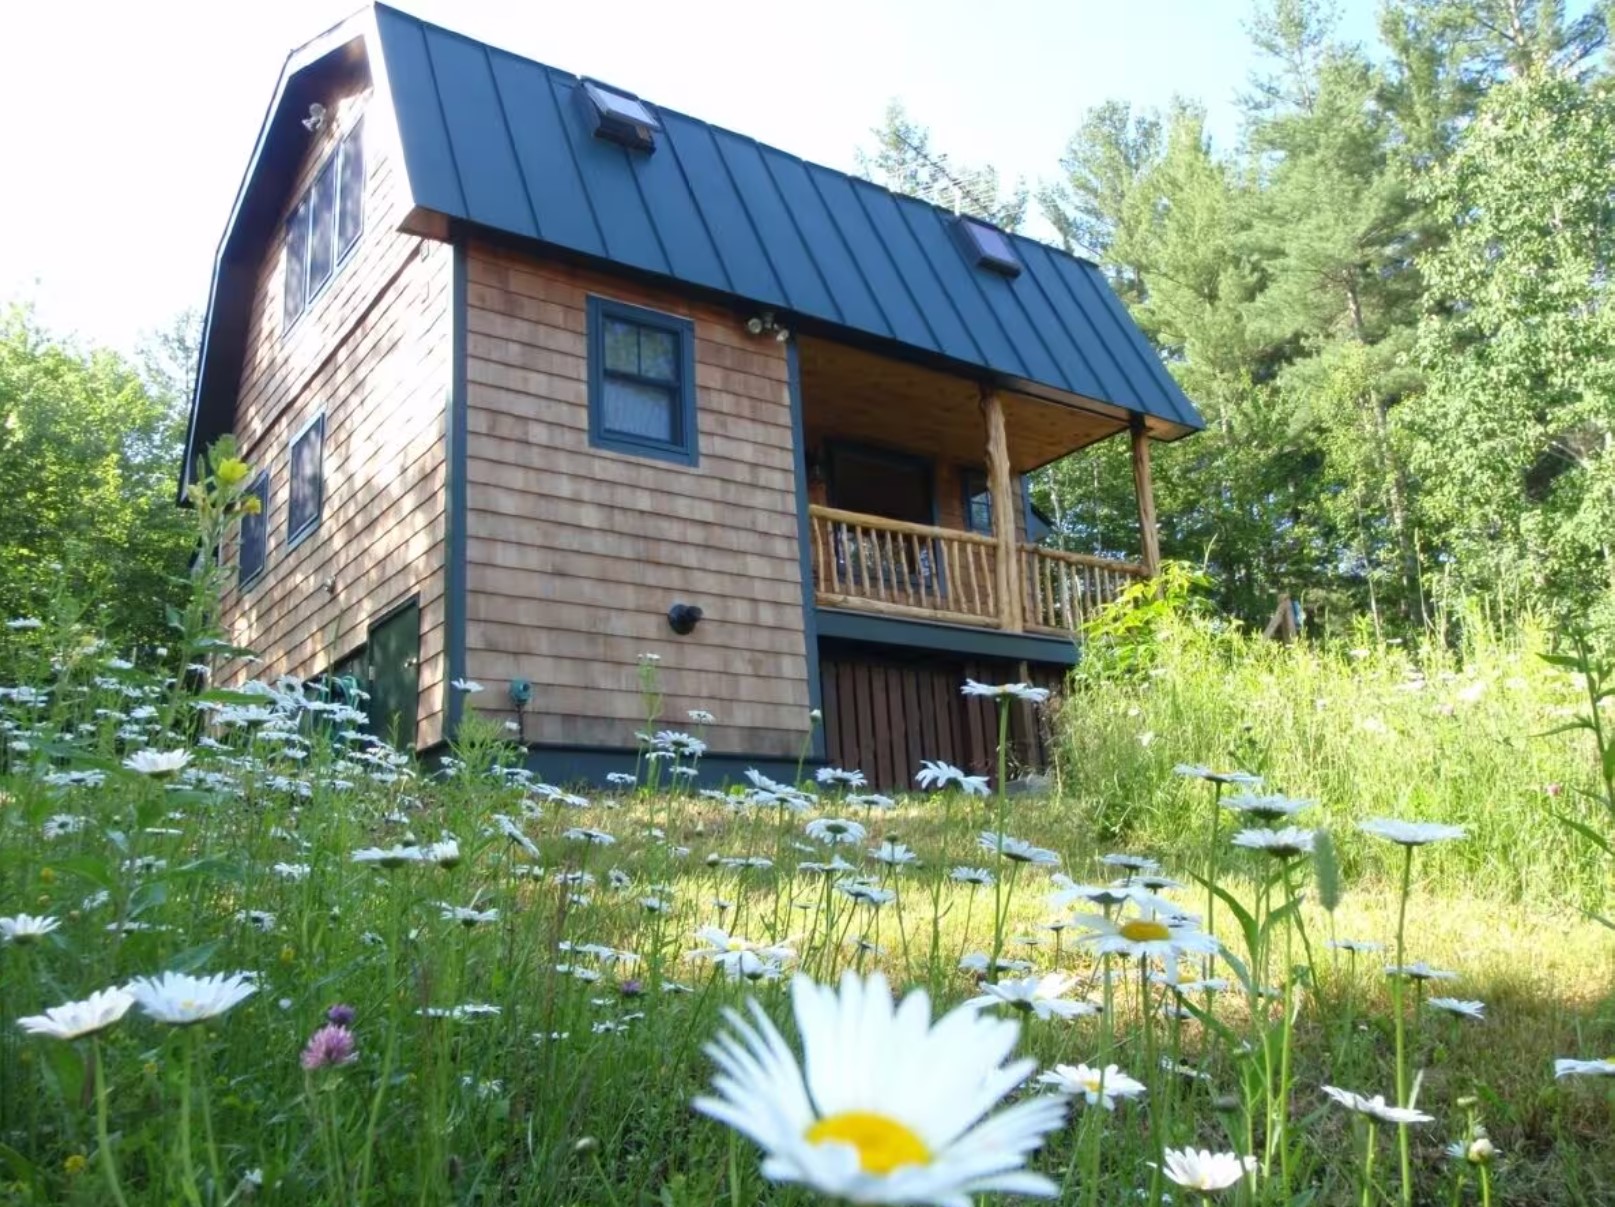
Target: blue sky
[{"x": 129, "y": 124}]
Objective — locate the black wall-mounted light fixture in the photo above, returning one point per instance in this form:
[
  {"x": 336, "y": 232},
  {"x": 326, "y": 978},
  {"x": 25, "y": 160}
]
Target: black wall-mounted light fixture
[{"x": 682, "y": 618}]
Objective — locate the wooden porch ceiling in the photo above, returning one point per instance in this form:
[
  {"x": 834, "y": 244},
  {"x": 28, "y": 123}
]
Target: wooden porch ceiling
[{"x": 850, "y": 394}]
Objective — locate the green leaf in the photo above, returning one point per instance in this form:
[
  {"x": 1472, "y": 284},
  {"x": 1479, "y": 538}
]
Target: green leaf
[
  {"x": 68, "y": 1066},
  {"x": 146, "y": 896},
  {"x": 1326, "y": 871},
  {"x": 86, "y": 867},
  {"x": 1247, "y": 923},
  {"x": 193, "y": 958},
  {"x": 1587, "y": 832}
]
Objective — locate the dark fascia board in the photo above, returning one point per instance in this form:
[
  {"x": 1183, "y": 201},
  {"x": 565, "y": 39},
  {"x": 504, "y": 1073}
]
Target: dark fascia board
[
  {"x": 252, "y": 217},
  {"x": 845, "y": 625}
]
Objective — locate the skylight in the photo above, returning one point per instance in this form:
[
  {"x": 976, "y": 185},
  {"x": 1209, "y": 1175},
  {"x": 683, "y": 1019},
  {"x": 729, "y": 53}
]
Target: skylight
[
  {"x": 618, "y": 116},
  {"x": 986, "y": 246}
]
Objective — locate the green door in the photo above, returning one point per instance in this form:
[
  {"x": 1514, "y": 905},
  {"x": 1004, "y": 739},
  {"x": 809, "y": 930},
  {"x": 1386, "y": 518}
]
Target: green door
[{"x": 395, "y": 655}]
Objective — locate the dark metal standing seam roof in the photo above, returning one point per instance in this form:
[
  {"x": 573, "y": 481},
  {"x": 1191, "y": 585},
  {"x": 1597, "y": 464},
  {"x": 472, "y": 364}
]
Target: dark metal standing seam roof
[{"x": 494, "y": 140}]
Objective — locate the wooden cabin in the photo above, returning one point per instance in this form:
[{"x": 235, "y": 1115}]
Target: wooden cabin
[{"x": 534, "y": 367}]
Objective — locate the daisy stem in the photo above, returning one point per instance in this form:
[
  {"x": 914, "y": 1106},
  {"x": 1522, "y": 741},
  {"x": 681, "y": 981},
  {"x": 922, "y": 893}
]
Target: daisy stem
[
  {"x": 214, "y": 1164},
  {"x": 1211, "y": 873},
  {"x": 187, "y": 1162},
  {"x": 1368, "y": 1166},
  {"x": 1003, "y": 801},
  {"x": 102, "y": 1139},
  {"x": 1485, "y": 1187},
  {"x": 1403, "y": 1141}
]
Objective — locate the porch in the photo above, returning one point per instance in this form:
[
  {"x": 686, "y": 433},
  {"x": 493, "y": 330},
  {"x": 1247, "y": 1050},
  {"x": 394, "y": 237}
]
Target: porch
[{"x": 917, "y": 506}]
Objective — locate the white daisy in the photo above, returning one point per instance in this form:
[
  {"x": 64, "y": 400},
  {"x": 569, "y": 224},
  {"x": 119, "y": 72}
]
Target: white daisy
[
  {"x": 1281, "y": 844},
  {"x": 1376, "y": 1107},
  {"x": 968, "y": 875},
  {"x": 387, "y": 857},
  {"x": 869, "y": 894},
  {"x": 467, "y": 916},
  {"x": 180, "y": 999},
  {"x": 26, "y": 928},
  {"x": 1098, "y": 1086},
  {"x": 1145, "y": 936},
  {"x": 1015, "y": 849},
  {"x": 977, "y": 962},
  {"x": 1567, "y": 1067},
  {"x": 836, "y": 830},
  {"x": 937, "y": 774},
  {"x": 852, "y": 778},
  {"x": 1202, "y": 772},
  {"x": 1039, "y": 995},
  {"x": 894, "y": 854},
  {"x": 73, "y": 1020},
  {"x": 469, "y": 686},
  {"x": 1420, "y": 971},
  {"x": 587, "y": 834},
  {"x": 1204, "y": 1170},
  {"x": 1266, "y": 809},
  {"x": 1355, "y": 945},
  {"x": 1411, "y": 833},
  {"x": 158, "y": 762},
  {"x": 1133, "y": 863},
  {"x": 1459, "y": 1006},
  {"x": 885, "y": 1107},
  {"x": 1019, "y": 691}
]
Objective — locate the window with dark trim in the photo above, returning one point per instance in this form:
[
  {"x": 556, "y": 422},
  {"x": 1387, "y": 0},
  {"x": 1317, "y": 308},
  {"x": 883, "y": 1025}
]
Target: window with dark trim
[
  {"x": 641, "y": 381},
  {"x": 254, "y": 554},
  {"x": 306, "y": 493},
  {"x": 325, "y": 225},
  {"x": 978, "y": 501}
]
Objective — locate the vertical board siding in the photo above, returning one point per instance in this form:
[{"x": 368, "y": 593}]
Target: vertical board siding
[
  {"x": 575, "y": 553},
  {"x": 372, "y": 354},
  {"x": 883, "y": 716}
]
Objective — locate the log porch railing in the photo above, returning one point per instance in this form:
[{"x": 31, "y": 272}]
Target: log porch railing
[{"x": 872, "y": 564}]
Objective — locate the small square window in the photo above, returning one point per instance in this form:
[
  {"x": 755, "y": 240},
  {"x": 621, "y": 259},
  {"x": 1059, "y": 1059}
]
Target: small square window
[
  {"x": 254, "y": 553},
  {"x": 641, "y": 382},
  {"x": 307, "y": 489},
  {"x": 986, "y": 246},
  {"x": 618, "y": 116}
]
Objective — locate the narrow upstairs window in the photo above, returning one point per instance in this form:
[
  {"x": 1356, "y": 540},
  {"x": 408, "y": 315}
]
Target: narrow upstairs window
[
  {"x": 254, "y": 554},
  {"x": 307, "y": 492},
  {"x": 324, "y": 225}
]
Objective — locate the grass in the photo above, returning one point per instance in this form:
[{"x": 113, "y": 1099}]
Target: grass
[{"x": 570, "y": 1079}]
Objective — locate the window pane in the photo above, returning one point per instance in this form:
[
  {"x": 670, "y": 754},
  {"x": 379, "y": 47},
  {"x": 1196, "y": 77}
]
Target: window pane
[
  {"x": 350, "y": 190},
  {"x": 632, "y": 408},
  {"x": 622, "y": 347},
  {"x": 978, "y": 502},
  {"x": 322, "y": 228},
  {"x": 658, "y": 354},
  {"x": 304, "y": 506},
  {"x": 296, "y": 262},
  {"x": 255, "y": 532}
]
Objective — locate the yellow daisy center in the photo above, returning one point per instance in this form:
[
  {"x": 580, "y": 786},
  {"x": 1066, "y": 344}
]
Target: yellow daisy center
[
  {"x": 1141, "y": 930},
  {"x": 882, "y": 1142}
]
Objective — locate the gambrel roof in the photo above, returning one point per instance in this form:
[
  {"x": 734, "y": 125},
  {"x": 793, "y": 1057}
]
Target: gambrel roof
[{"x": 495, "y": 142}]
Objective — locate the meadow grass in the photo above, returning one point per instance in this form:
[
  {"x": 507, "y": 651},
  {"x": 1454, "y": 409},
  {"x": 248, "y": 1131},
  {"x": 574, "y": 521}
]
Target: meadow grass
[{"x": 513, "y": 967}]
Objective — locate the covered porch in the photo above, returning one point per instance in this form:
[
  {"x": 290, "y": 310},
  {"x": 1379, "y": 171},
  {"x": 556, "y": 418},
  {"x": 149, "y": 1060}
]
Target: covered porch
[{"x": 917, "y": 504}]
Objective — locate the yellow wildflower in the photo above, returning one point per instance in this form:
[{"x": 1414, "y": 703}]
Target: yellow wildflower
[
  {"x": 232, "y": 471},
  {"x": 76, "y": 1164}
]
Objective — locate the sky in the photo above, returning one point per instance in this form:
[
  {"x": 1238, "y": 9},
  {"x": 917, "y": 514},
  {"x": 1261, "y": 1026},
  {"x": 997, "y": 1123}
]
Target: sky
[{"x": 129, "y": 122}]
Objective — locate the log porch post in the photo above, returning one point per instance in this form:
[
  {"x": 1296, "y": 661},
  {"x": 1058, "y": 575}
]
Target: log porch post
[
  {"x": 1008, "y": 559},
  {"x": 1144, "y": 488}
]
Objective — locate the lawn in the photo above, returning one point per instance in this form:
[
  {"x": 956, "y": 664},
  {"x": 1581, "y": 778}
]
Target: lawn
[{"x": 460, "y": 984}]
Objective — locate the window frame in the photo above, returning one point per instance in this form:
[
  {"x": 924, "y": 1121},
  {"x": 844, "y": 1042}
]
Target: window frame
[
  {"x": 685, "y": 449},
  {"x": 302, "y": 215},
  {"x": 245, "y": 581},
  {"x": 296, "y": 536}
]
